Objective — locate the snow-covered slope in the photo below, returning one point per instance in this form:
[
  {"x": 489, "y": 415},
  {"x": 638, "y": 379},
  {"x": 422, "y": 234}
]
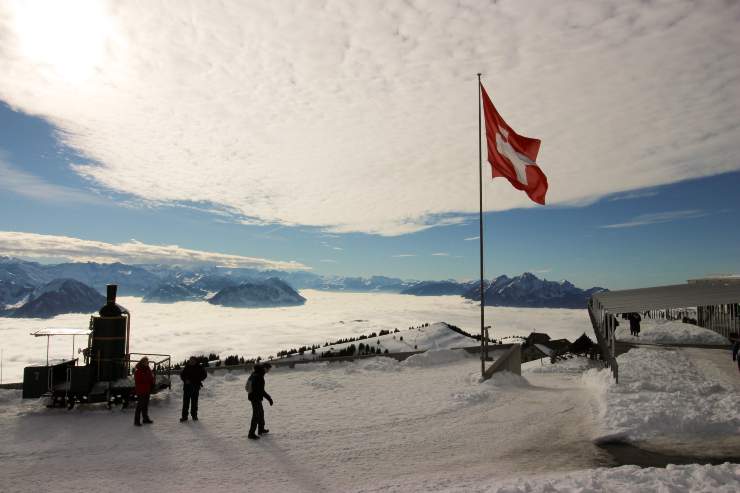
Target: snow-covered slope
[{"x": 426, "y": 337}]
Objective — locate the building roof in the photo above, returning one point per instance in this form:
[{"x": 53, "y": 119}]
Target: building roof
[
  {"x": 718, "y": 278},
  {"x": 544, "y": 349},
  {"x": 675, "y": 296},
  {"x": 60, "y": 332}
]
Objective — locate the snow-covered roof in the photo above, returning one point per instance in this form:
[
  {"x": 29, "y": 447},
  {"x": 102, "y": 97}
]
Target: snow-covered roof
[
  {"x": 675, "y": 296},
  {"x": 60, "y": 332},
  {"x": 545, "y": 350}
]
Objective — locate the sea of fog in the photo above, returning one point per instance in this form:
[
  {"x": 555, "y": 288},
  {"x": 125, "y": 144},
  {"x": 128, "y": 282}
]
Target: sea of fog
[{"x": 186, "y": 328}]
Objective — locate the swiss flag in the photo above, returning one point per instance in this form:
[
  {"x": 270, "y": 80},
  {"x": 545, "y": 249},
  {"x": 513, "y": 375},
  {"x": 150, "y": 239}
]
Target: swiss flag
[{"x": 512, "y": 156}]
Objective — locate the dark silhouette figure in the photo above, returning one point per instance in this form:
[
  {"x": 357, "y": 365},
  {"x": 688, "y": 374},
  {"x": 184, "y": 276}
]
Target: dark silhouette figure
[
  {"x": 144, "y": 381},
  {"x": 735, "y": 350},
  {"x": 256, "y": 392},
  {"x": 634, "y": 319},
  {"x": 192, "y": 376}
]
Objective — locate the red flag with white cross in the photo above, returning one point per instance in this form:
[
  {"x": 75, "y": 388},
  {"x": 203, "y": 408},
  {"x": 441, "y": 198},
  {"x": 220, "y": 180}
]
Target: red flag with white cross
[{"x": 511, "y": 155}]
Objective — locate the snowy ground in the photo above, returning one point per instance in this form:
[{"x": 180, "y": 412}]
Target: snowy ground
[
  {"x": 669, "y": 332},
  {"x": 426, "y": 424},
  {"x": 684, "y": 400},
  {"x": 185, "y": 328}
]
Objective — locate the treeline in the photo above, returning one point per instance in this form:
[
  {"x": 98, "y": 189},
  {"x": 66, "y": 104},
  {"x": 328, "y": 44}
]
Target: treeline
[
  {"x": 230, "y": 360},
  {"x": 351, "y": 350}
]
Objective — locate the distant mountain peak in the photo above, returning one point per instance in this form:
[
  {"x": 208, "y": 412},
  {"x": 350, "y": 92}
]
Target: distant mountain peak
[
  {"x": 58, "y": 297},
  {"x": 527, "y": 290}
]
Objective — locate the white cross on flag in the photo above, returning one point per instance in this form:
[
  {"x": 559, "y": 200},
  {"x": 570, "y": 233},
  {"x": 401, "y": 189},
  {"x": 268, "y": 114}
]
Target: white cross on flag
[{"x": 512, "y": 155}]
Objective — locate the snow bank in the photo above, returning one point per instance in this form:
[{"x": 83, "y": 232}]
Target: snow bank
[
  {"x": 724, "y": 478},
  {"x": 9, "y": 395},
  {"x": 498, "y": 385},
  {"x": 669, "y": 332},
  {"x": 661, "y": 392},
  {"x": 435, "y": 357}
]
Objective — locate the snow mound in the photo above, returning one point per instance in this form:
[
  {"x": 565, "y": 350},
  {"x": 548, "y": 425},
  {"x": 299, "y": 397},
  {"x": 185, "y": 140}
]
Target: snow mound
[
  {"x": 488, "y": 390},
  {"x": 571, "y": 366},
  {"x": 8, "y": 396},
  {"x": 661, "y": 392},
  {"x": 669, "y": 332},
  {"x": 506, "y": 379},
  {"x": 435, "y": 357}
]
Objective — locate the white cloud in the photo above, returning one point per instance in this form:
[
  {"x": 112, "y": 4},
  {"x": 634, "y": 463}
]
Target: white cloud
[
  {"x": 635, "y": 195},
  {"x": 15, "y": 181},
  {"x": 404, "y": 255},
  {"x": 50, "y": 246},
  {"x": 328, "y": 261},
  {"x": 358, "y": 116},
  {"x": 440, "y": 254},
  {"x": 471, "y": 238},
  {"x": 658, "y": 217}
]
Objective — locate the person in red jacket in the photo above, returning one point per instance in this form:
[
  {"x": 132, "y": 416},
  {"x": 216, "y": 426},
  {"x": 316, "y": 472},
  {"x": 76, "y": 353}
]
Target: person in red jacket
[{"x": 144, "y": 380}]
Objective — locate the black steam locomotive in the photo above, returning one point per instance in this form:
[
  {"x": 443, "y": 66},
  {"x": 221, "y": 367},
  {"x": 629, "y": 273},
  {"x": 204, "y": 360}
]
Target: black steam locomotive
[{"x": 107, "y": 373}]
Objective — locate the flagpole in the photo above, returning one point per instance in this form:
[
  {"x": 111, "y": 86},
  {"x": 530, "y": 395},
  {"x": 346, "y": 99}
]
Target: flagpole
[{"x": 480, "y": 236}]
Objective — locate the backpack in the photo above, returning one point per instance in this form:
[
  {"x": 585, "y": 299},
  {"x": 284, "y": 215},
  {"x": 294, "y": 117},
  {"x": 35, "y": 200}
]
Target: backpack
[{"x": 249, "y": 385}]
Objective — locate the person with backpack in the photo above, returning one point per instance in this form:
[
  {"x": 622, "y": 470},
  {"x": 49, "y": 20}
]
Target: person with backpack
[
  {"x": 192, "y": 376},
  {"x": 255, "y": 388},
  {"x": 144, "y": 383}
]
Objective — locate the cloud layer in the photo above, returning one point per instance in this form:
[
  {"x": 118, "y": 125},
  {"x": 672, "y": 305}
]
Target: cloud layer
[
  {"x": 134, "y": 252},
  {"x": 657, "y": 218},
  {"x": 362, "y": 116}
]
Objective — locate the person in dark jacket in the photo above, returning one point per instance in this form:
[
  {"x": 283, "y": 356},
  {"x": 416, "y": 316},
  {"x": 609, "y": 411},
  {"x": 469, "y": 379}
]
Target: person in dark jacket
[
  {"x": 256, "y": 392},
  {"x": 634, "y": 319},
  {"x": 192, "y": 376},
  {"x": 736, "y": 349},
  {"x": 144, "y": 383}
]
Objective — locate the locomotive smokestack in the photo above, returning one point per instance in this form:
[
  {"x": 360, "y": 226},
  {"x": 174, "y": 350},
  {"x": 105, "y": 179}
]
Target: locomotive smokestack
[
  {"x": 111, "y": 309},
  {"x": 111, "y": 298}
]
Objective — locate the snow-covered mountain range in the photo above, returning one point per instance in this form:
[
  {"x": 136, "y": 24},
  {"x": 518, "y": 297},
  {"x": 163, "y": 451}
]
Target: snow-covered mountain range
[
  {"x": 530, "y": 291},
  {"x": 169, "y": 283}
]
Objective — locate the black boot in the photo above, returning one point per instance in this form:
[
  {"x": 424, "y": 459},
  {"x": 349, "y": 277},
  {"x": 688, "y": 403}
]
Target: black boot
[
  {"x": 183, "y": 419},
  {"x": 264, "y": 431},
  {"x": 252, "y": 436}
]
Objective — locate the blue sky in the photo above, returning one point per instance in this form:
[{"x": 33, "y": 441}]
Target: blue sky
[
  {"x": 242, "y": 136},
  {"x": 697, "y": 235}
]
